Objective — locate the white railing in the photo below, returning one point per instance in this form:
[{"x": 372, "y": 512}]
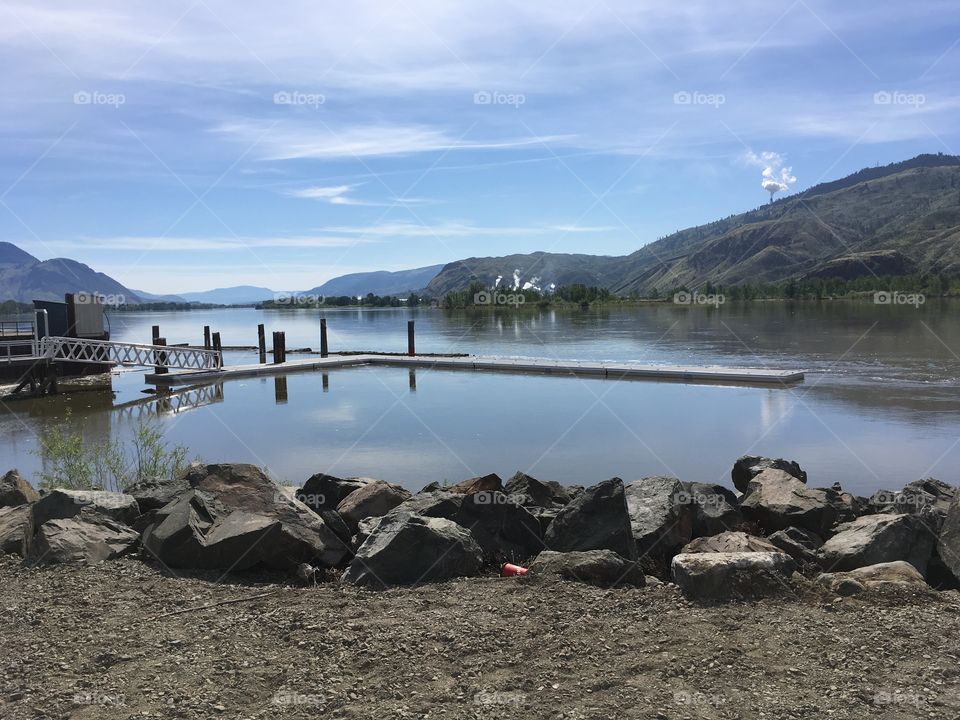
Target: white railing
[{"x": 64, "y": 349}]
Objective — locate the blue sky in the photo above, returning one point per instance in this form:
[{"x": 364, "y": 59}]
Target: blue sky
[{"x": 181, "y": 146}]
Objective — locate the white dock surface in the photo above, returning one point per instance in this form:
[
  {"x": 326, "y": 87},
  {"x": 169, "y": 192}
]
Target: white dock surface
[{"x": 688, "y": 373}]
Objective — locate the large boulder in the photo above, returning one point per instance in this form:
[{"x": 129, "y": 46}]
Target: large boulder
[
  {"x": 874, "y": 539},
  {"x": 89, "y": 537},
  {"x": 407, "y": 549},
  {"x": 505, "y": 530},
  {"x": 916, "y": 498},
  {"x": 374, "y": 499},
  {"x": 62, "y": 504},
  {"x": 14, "y": 490},
  {"x": 154, "y": 494},
  {"x": 722, "y": 576},
  {"x": 798, "y": 543},
  {"x": 597, "y": 519},
  {"x": 776, "y": 500},
  {"x": 729, "y": 542},
  {"x": 325, "y": 492},
  {"x": 485, "y": 483},
  {"x": 660, "y": 518},
  {"x": 715, "y": 508},
  {"x": 530, "y": 492},
  {"x": 16, "y": 527},
  {"x": 747, "y": 467},
  {"x": 235, "y": 517},
  {"x": 896, "y": 575},
  {"x": 948, "y": 543},
  {"x": 594, "y": 567}
]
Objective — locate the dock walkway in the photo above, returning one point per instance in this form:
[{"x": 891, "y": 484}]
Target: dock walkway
[{"x": 683, "y": 373}]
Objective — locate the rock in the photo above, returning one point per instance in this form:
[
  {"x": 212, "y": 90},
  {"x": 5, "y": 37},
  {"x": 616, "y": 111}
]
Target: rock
[
  {"x": 660, "y": 519},
  {"x": 537, "y": 493},
  {"x": 88, "y": 536},
  {"x": 882, "y": 576},
  {"x": 594, "y": 567},
  {"x": 748, "y": 467},
  {"x": 729, "y": 542},
  {"x": 596, "y": 519},
  {"x": 431, "y": 487},
  {"x": 873, "y": 539},
  {"x": 948, "y": 543},
  {"x": 776, "y": 500},
  {"x": 487, "y": 483},
  {"x": 325, "y": 492},
  {"x": 14, "y": 490},
  {"x": 234, "y": 517},
  {"x": 722, "y": 576},
  {"x": 505, "y": 530},
  {"x": 374, "y": 499},
  {"x": 715, "y": 508},
  {"x": 331, "y": 518},
  {"x": 154, "y": 494},
  {"x": 544, "y": 516},
  {"x": 800, "y": 544},
  {"x": 407, "y": 549},
  {"x": 16, "y": 527},
  {"x": 61, "y": 504},
  {"x": 914, "y": 498}
]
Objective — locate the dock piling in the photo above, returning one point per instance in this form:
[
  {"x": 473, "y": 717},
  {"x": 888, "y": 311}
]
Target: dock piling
[
  {"x": 411, "y": 344},
  {"x": 279, "y": 347},
  {"x": 160, "y": 356},
  {"x": 324, "y": 350},
  {"x": 206, "y": 337},
  {"x": 262, "y": 343}
]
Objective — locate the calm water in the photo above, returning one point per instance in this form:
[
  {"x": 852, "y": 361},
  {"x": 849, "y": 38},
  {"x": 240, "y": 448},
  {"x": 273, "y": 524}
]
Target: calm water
[{"x": 880, "y": 406}]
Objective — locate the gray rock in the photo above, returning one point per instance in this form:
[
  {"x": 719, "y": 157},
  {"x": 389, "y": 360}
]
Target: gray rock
[
  {"x": 747, "y": 467},
  {"x": 325, "y": 492},
  {"x": 596, "y": 519},
  {"x": 723, "y": 576},
  {"x": 374, "y": 499},
  {"x": 154, "y": 494},
  {"x": 715, "y": 508},
  {"x": 660, "y": 519},
  {"x": 61, "y": 504},
  {"x": 948, "y": 543},
  {"x": 594, "y": 567},
  {"x": 882, "y": 576},
  {"x": 915, "y": 498},
  {"x": 729, "y": 542},
  {"x": 408, "y": 549},
  {"x": 235, "y": 517},
  {"x": 88, "y": 537},
  {"x": 776, "y": 500},
  {"x": 14, "y": 490},
  {"x": 537, "y": 493},
  {"x": 16, "y": 527},
  {"x": 800, "y": 544},
  {"x": 874, "y": 539}
]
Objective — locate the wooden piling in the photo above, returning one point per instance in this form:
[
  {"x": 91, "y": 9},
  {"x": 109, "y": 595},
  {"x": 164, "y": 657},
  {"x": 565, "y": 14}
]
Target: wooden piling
[
  {"x": 206, "y": 337},
  {"x": 160, "y": 357},
  {"x": 411, "y": 344},
  {"x": 279, "y": 347},
  {"x": 324, "y": 350},
  {"x": 262, "y": 343},
  {"x": 154, "y": 333}
]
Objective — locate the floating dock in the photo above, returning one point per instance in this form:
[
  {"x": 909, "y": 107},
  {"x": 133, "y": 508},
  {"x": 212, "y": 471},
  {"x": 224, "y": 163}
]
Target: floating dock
[{"x": 611, "y": 370}]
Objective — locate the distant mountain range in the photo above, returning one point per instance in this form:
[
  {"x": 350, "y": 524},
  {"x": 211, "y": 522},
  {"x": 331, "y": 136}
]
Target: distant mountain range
[
  {"x": 893, "y": 220},
  {"x": 897, "y": 219}
]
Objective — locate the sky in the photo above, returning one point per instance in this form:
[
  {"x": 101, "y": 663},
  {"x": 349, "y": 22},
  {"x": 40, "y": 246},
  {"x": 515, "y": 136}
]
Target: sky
[{"x": 186, "y": 145}]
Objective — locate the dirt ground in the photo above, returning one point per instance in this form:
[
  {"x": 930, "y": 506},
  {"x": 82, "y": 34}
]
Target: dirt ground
[{"x": 100, "y": 642}]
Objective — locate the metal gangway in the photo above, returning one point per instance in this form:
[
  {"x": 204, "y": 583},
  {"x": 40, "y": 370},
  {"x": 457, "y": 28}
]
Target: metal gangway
[{"x": 81, "y": 350}]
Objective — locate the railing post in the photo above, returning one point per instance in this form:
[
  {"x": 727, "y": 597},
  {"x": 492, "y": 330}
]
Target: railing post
[{"x": 160, "y": 357}]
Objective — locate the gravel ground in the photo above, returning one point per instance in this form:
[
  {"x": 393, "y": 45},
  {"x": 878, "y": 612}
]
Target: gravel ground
[{"x": 100, "y": 642}]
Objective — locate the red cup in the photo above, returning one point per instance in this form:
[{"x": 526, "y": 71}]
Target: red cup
[{"x": 511, "y": 570}]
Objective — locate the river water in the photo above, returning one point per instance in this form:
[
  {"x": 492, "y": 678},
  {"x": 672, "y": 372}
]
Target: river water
[{"x": 880, "y": 405}]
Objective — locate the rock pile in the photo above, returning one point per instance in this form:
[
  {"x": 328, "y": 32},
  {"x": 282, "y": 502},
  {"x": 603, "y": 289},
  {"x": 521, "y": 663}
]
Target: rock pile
[{"x": 777, "y": 536}]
